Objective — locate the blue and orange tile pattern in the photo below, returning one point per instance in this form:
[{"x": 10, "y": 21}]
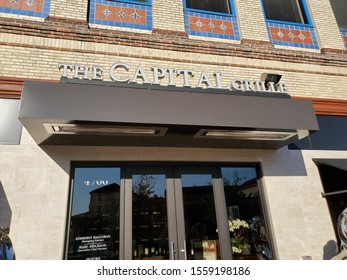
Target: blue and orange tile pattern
[
  {"x": 292, "y": 35},
  {"x": 121, "y": 14},
  {"x": 34, "y": 8},
  {"x": 344, "y": 36},
  {"x": 211, "y": 25}
]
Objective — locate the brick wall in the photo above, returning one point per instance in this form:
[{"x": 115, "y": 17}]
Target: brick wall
[
  {"x": 76, "y": 9},
  {"x": 38, "y": 58},
  {"x": 251, "y": 20},
  {"x": 168, "y": 15}
]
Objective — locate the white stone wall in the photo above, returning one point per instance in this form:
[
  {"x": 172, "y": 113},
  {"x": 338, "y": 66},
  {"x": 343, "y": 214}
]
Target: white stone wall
[
  {"x": 35, "y": 182},
  {"x": 35, "y": 191}
]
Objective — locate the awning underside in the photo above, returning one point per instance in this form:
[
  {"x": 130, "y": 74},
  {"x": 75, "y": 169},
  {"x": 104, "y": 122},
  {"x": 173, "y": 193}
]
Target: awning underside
[{"x": 98, "y": 115}]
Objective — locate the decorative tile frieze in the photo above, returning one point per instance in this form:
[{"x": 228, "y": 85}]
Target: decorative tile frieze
[
  {"x": 292, "y": 35},
  {"x": 120, "y": 14},
  {"x": 34, "y": 8},
  {"x": 211, "y": 25}
]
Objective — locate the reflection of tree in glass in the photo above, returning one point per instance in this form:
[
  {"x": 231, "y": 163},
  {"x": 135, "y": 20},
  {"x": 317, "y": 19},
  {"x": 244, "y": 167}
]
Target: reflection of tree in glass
[
  {"x": 144, "y": 186},
  {"x": 235, "y": 180},
  {"x": 149, "y": 218}
]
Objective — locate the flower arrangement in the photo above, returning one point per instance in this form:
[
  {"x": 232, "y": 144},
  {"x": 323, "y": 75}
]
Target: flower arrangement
[
  {"x": 237, "y": 224},
  {"x": 238, "y": 229}
]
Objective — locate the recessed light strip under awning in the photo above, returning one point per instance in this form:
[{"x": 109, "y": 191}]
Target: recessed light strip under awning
[
  {"x": 246, "y": 134},
  {"x": 93, "y": 129}
]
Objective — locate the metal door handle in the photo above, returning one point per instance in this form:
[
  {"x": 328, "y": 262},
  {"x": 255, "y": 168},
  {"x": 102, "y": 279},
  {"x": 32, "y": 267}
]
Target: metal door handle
[
  {"x": 184, "y": 250},
  {"x": 173, "y": 250}
]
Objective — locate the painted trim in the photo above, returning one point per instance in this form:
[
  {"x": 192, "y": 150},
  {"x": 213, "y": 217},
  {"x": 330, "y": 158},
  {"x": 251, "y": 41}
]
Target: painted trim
[
  {"x": 11, "y": 88},
  {"x": 323, "y": 106}
]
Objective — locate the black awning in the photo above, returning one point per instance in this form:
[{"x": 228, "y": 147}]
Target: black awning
[
  {"x": 90, "y": 114},
  {"x": 333, "y": 162}
]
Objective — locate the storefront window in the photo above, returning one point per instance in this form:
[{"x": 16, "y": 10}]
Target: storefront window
[
  {"x": 333, "y": 173},
  {"x": 94, "y": 222},
  {"x": 165, "y": 212},
  {"x": 249, "y": 236}
]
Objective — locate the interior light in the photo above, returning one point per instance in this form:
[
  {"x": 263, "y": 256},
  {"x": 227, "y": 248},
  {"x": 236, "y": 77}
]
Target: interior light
[
  {"x": 246, "y": 134},
  {"x": 95, "y": 129}
]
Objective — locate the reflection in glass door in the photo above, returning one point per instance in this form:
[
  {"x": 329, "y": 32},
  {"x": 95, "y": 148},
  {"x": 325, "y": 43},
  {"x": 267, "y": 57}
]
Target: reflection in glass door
[
  {"x": 167, "y": 212},
  {"x": 201, "y": 242},
  {"x": 93, "y": 232},
  {"x": 149, "y": 217},
  {"x": 174, "y": 214},
  {"x": 248, "y": 229}
]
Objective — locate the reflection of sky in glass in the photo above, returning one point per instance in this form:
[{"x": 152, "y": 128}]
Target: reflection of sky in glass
[
  {"x": 158, "y": 184},
  {"x": 88, "y": 179},
  {"x": 231, "y": 175},
  {"x": 196, "y": 180}
]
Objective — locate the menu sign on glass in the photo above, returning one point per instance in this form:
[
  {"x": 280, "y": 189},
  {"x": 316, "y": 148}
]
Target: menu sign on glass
[{"x": 94, "y": 222}]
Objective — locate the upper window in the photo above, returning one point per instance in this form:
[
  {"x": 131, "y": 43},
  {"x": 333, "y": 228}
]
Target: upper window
[
  {"x": 219, "y": 6},
  {"x": 286, "y": 10},
  {"x": 340, "y": 11}
]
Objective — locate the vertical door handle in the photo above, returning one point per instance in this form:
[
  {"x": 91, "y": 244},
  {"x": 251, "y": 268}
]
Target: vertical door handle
[
  {"x": 173, "y": 250},
  {"x": 184, "y": 250}
]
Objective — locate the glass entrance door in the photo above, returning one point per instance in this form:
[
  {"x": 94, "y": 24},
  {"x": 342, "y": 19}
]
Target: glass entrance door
[
  {"x": 175, "y": 215},
  {"x": 149, "y": 217},
  {"x": 200, "y": 214}
]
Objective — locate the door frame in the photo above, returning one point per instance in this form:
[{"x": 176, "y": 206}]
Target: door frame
[
  {"x": 175, "y": 208},
  {"x": 127, "y": 206}
]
